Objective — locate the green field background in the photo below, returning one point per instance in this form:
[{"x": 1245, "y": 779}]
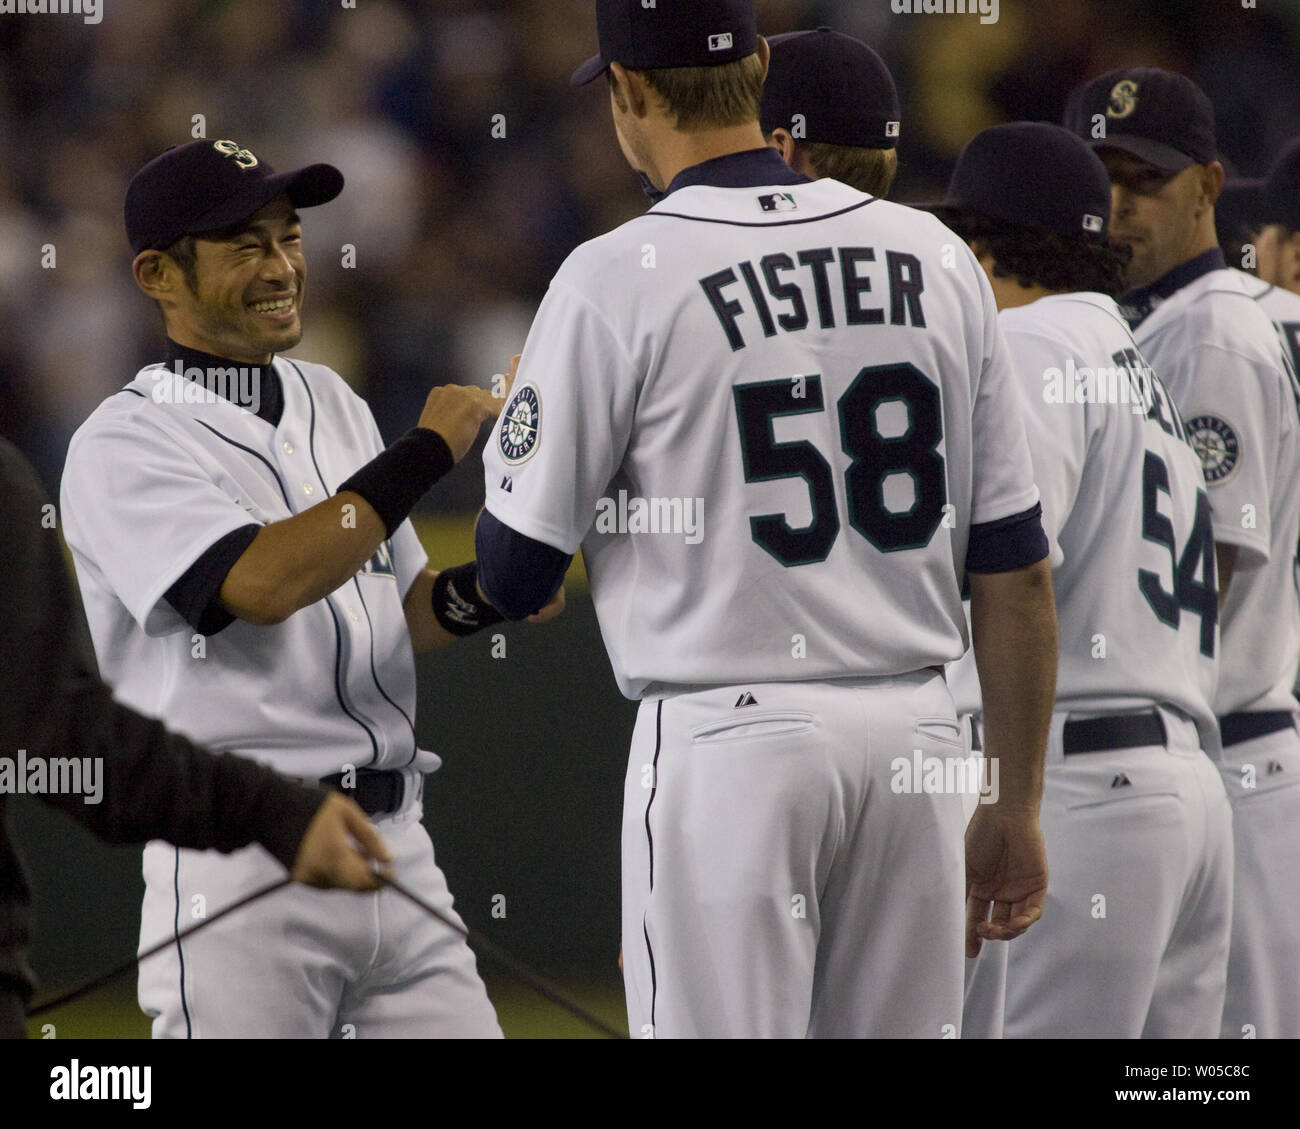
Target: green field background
[{"x": 526, "y": 805}]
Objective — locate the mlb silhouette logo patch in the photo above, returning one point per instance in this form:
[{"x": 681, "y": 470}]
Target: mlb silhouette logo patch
[
  {"x": 892, "y": 128},
  {"x": 779, "y": 202},
  {"x": 1092, "y": 223},
  {"x": 722, "y": 42}
]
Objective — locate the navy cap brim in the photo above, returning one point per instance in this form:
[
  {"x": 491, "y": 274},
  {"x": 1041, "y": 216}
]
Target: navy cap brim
[
  {"x": 306, "y": 188},
  {"x": 1155, "y": 153},
  {"x": 591, "y": 70}
]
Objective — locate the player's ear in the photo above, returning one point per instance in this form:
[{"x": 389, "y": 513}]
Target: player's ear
[
  {"x": 1212, "y": 177},
  {"x": 154, "y": 273},
  {"x": 764, "y": 55},
  {"x": 782, "y": 140},
  {"x": 629, "y": 90}
]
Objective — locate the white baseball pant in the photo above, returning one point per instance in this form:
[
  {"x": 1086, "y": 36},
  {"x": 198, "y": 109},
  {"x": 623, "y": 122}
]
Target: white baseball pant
[
  {"x": 775, "y": 881},
  {"x": 1133, "y": 941},
  {"x": 1262, "y": 777},
  {"x": 305, "y": 963}
]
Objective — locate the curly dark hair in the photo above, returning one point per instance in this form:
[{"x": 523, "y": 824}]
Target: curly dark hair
[{"x": 1034, "y": 256}]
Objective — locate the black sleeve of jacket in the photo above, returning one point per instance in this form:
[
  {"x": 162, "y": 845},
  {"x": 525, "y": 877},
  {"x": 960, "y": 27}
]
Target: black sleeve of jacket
[{"x": 156, "y": 784}]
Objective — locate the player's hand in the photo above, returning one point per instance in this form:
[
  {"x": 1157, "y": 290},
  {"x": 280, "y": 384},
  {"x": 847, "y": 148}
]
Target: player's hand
[
  {"x": 456, "y": 412},
  {"x": 339, "y": 847},
  {"x": 553, "y": 608},
  {"x": 1006, "y": 875}
]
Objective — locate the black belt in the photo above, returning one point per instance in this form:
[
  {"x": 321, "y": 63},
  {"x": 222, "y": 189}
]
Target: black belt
[
  {"x": 1118, "y": 731},
  {"x": 1102, "y": 734},
  {"x": 1238, "y": 727},
  {"x": 375, "y": 793}
]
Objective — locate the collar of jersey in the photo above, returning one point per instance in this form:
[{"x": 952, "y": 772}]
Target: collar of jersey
[
  {"x": 754, "y": 168},
  {"x": 1138, "y": 305},
  {"x": 270, "y": 401}
]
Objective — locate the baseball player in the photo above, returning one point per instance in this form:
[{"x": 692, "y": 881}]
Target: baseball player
[
  {"x": 1196, "y": 322},
  {"x": 154, "y": 784},
  {"x": 830, "y": 107},
  {"x": 782, "y": 431},
  {"x": 1279, "y": 236},
  {"x": 249, "y": 576},
  {"x": 1134, "y": 937},
  {"x": 1265, "y": 215}
]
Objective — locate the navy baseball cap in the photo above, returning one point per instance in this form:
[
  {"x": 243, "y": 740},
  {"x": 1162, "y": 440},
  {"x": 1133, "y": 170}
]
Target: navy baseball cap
[
  {"x": 672, "y": 33},
  {"x": 207, "y": 185},
  {"x": 1281, "y": 202},
  {"x": 1160, "y": 117},
  {"x": 1031, "y": 174},
  {"x": 838, "y": 84}
]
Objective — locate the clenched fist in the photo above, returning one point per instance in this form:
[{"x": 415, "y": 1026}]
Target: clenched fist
[{"x": 456, "y": 412}]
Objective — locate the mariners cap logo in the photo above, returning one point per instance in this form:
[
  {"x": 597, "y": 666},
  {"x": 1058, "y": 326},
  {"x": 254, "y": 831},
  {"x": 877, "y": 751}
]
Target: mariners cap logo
[
  {"x": 1123, "y": 100},
  {"x": 722, "y": 42},
  {"x": 243, "y": 158},
  {"x": 1215, "y": 440},
  {"x": 520, "y": 425}
]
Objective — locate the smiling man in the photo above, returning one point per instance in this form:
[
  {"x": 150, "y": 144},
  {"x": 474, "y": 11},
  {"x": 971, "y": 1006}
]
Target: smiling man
[
  {"x": 250, "y": 577},
  {"x": 1198, "y": 324}
]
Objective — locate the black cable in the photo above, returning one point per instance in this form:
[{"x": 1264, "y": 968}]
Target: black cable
[
  {"x": 127, "y": 965},
  {"x": 541, "y": 986}
]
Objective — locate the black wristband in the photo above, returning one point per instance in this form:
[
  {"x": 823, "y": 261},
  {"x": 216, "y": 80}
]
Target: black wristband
[
  {"x": 456, "y": 603},
  {"x": 395, "y": 479}
]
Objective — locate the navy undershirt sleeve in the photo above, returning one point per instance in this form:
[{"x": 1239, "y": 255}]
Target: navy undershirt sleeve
[
  {"x": 1007, "y": 544},
  {"x": 194, "y": 595},
  {"x": 517, "y": 574}
]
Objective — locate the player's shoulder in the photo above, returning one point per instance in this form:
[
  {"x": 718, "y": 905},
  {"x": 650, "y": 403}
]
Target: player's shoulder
[
  {"x": 1223, "y": 306},
  {"x": 130, "y": 406},
  {"x": 317, "y": 379},
  {"x": 1068, "y": 318},
  {"x": 1219, "y": 312},
  {"x": 1276, "y": 301},
  {"x": 1254, "y": 286},
  {"x": 701, "y": 216}
]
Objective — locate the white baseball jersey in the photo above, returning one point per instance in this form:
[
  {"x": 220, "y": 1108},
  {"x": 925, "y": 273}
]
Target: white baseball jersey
[
  {"x": 1282, "y": 307},
  {"x": 770, "y": 417},
  {"x": 1125, "y": 510},
  {"x": 1219, "y": 356},
  {"x": 160, "y": 472}
]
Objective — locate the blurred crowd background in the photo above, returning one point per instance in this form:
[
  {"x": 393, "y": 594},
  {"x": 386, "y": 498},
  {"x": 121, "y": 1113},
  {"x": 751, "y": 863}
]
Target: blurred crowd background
[{"x": 457, "y": 232}]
